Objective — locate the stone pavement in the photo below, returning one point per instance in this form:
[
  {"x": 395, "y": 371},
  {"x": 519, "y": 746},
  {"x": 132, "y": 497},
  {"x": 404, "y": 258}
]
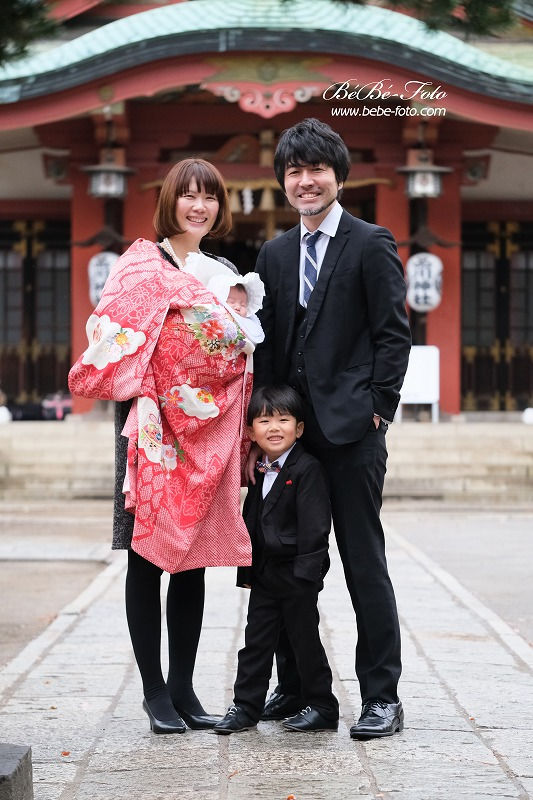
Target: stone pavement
[{"x": 74, "y": 695}]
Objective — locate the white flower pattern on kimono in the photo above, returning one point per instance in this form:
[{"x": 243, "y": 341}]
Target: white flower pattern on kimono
[
  {"x": 109, "y": 342},
  {"x": 198, "y": 402},
  {"x": 150, "y": 429},
  {"x": 193, "y": 401}
]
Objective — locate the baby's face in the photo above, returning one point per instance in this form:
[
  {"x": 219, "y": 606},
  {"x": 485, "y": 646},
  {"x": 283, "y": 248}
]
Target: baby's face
[{"x": 238, "y": 300}]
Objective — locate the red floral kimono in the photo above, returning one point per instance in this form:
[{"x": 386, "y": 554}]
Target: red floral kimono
[{"x": 158, "y": 335}]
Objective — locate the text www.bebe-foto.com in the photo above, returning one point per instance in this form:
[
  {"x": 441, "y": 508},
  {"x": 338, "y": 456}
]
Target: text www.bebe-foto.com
[{"x": 416, "y": 91}]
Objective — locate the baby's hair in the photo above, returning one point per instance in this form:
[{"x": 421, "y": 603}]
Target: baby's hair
[{"x": 267, "y": 400}]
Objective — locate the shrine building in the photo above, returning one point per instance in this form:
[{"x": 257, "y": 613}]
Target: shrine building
[{"x": 440, "y": 133}]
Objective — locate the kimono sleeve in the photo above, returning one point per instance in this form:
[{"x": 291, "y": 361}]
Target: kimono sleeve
[{"x": 123, "y": 329}]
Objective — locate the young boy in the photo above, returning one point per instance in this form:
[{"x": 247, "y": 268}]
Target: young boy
[{"x": 288, "y": 517}]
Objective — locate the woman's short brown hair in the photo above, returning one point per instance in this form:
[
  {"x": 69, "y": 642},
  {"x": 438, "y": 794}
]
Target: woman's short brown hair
[{"x": 178, "y": 182}]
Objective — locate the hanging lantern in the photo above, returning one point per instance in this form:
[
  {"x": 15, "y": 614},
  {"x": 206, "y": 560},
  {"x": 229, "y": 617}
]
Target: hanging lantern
[
  {"x": 424, "y": 281},
  {"x": 98, "y": 270},
  {"x": 109, "y": 178},
  {"x": 424, "y": 178}
]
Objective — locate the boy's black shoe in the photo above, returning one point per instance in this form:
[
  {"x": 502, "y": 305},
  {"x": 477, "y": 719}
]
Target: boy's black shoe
[
  {"x": 235, "y": 721},
  {"x": 378, "y": 719},
  {"x": 309, "y": 720},
  {"x": 281, "y": 706}
]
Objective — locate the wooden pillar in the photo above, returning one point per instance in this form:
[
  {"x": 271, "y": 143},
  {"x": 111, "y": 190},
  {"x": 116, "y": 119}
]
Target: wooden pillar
[
  {"x": 444, "y": 323},
  {"x": 392, "y": 211},
  {"x": 139, "y": 206},
  {"x": 86, "y": 220}
]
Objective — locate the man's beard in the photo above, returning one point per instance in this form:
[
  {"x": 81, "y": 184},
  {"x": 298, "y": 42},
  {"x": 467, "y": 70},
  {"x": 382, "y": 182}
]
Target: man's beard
[{"x": 312, "y": 212}]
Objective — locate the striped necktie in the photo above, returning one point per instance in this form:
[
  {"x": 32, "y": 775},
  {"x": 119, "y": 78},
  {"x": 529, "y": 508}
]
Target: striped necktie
[{"x": 310, "y": 265}]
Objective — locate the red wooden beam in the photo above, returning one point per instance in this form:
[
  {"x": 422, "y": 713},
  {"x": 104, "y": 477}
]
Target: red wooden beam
[
  {"x": 149, "y": 79},
  {"x": 67, "y": 9}
]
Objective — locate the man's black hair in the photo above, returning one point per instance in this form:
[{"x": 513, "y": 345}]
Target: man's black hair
[
  {"x": 271, "y": 399},
  {"x": 311, "y": 142}
]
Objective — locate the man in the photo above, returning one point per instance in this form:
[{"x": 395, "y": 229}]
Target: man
[{"x": 336, "y": 329}]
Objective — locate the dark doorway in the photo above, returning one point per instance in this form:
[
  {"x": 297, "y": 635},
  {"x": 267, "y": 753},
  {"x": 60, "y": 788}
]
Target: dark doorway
[
  {"x": 497, "y": 316},
  {"x": 34, "y": 311}
]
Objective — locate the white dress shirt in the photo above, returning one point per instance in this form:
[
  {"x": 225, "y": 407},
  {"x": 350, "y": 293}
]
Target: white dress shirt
[
  {"x": 270, "y": 477},
  {"x": 328, "y": 228}
]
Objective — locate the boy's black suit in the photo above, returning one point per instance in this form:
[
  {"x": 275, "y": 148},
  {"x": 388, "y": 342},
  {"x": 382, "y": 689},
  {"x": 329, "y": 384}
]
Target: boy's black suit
[
  {"x": 289, "y": 530},
  {"x": 294, "y": 518}
]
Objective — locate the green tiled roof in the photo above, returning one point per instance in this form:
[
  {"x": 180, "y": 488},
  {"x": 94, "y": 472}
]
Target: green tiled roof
[{"x": 217, "y": 26}]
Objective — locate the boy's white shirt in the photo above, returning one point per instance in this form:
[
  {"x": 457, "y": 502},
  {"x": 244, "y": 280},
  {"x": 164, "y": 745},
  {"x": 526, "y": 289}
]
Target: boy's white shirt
[{"x": 270, "y": 477}]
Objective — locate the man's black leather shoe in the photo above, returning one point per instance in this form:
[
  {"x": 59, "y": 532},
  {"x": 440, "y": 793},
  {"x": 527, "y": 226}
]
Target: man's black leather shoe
[
  {"x": 176, "y": 725},
  {"x": 198, "y": 722},
  {"x": 281, "y": 706},
  {"x": 309, "y": 720},
  {"x": 378, "y": 719},
  {"x": 235, "y": 721}
]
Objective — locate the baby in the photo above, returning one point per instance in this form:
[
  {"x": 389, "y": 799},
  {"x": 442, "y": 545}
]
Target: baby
[
  {"x": 238, "y": 299},
  {"x": 241, "y": 295}
]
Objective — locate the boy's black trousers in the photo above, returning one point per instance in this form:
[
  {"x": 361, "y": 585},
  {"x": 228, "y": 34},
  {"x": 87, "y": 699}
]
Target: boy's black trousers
[{"x": 276, "y": 597}]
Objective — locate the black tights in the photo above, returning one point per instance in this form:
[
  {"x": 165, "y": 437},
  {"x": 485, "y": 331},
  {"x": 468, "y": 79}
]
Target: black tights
[{"x": 185, "y": 608}]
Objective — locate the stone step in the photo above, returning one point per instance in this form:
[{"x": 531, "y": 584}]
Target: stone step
[
  {"x": 479, "y": 469},
  {"x": 57, "y": 490},
  {"x": 443, "y": 487},
  {"x": 102, "y": 451},
  {"x": 103, "y": 470},
  {"x": 23, "y": 442},
  {"x": 75, "y": 458},
  {"x": 501, "y": 445},
  {"x": 449, "y": 464},
  {"x": 90, "y": 466}
]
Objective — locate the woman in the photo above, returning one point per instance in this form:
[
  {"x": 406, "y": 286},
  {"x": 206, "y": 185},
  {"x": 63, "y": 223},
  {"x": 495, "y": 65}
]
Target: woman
[{"x": 160, "y": 337}]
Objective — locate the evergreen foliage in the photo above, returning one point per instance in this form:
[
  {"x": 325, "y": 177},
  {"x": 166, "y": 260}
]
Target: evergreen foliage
[
  {"x": 478, "y": 17},
  {"x": 23, "y": 21}
]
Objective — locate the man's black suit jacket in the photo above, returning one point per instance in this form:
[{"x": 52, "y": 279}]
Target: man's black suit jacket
[
  {"x": 295, "y": 517},
  {"x": 357, "y": 343}
]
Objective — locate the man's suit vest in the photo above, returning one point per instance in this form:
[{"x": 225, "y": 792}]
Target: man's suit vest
[{"x": 297, "y": 376}]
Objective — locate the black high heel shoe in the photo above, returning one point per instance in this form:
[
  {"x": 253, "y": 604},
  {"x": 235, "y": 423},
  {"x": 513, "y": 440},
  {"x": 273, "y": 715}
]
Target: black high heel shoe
[
  {"x": 198, "y": 722},
  {"x": 164, "y": 726}
]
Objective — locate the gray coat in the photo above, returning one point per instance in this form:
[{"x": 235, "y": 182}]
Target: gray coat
[{"x": 122, "y": 519}]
